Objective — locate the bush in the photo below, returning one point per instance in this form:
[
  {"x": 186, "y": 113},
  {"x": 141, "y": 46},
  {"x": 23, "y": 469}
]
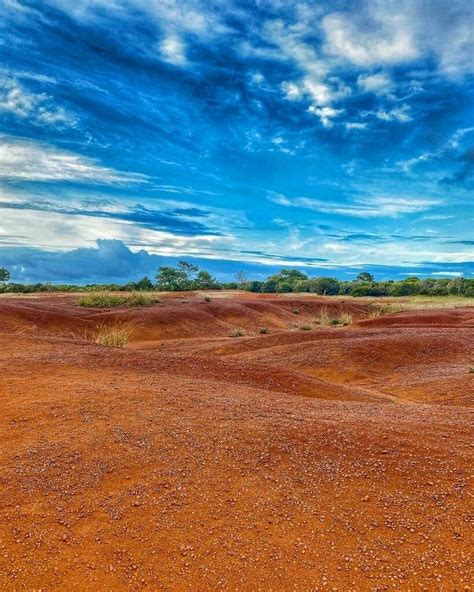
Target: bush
[
  {"x": 237, "y": 333},
  {"x": 263, "y": 330}
]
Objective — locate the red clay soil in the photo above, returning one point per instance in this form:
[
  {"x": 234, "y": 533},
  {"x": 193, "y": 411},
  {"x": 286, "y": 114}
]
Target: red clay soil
[{"x": 330, "y": 459}]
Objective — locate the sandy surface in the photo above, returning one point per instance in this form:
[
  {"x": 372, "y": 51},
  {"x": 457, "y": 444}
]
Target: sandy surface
[{"x": 331, "y": 459}]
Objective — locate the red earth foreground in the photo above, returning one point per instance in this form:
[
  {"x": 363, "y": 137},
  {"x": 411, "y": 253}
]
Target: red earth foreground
[{"x": 323, "y": 459}]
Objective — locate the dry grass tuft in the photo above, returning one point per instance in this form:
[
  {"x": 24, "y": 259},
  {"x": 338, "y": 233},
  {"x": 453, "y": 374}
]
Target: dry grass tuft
[
  {"x": 344, "y": 319},
  {"x": 112, "y": 335},
  {"x": 325, "y": 319},
  {"x": 375, "y": 313},
  {"x": 237, "y": 333},
  {"x": 391, "y": 308}
]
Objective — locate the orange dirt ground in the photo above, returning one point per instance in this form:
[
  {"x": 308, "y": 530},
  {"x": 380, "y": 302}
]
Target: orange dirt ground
[{"x": 330, "y": 459}]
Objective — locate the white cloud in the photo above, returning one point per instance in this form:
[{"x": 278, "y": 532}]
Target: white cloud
[
  {"x": 401, "y": 114},
  {"x": 355, "y": 125},
  {"x": 325, "y": 114},
  {"x": 174, "y": 20},
  {"x": 37, "y": 107},
  {"x": 321, "y": 94},
  {"x": 452, "y": 144},
  {"x": 369, "y": 207},
  {"x": 172, "y": 50},
  {"x": 376, "y": 83},
  {"x": 56, "y": 231},
  {"x": 387, "y": 39},
  {"x": 257, "y": 78},
  {"x": 27, "y": 160},
  {"x": 390, "y": 32}
]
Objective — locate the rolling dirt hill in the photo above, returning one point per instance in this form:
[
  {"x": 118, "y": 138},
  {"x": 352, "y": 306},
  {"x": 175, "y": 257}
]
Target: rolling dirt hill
[{"x": 304, "y": 458}]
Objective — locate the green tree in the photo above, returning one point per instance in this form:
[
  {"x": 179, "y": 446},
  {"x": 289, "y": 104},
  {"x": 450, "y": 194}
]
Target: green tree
[
  {"x": 145, "y": 284},
  {"x": 4, "y": 275},
  {"x": 284, "y": 281},
  {"x": 170, "y": 279},
  {"x": 177, "y": 278},
  {"x": 205, "y": 281},
  {"x": 188, "y": 268},
  {"x": 242, "y": 279},
  {"x": 364, "y": 276},
  {"x": 325, "y": 286}
]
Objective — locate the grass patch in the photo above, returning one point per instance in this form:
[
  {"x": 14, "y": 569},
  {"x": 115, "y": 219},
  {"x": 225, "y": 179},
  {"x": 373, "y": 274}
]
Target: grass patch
[
  {"x": 325, "y": 319},
  {"x": 425, "y": 303},
  {"x": 391, "y": 308},
  {"x": 237, "y": 333},
  {"x": 344, "y": 319},
  {"x": 108, "y": 300},
  {"x": 304, "y": 327},
  {"x": 112, "y": 335},
  {"x": 375, "y": 313}
]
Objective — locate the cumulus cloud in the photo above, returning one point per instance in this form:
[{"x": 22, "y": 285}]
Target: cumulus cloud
[
  {"x": 320, "y": 94},
  {"x": 379, "y": 83},
  {"x": 38, "y": 108},
  {"x": 391, "y": 32},
  {"x": 387, "y": 39},
  {"x": 325, "y": 114},
  {"x": 26, "y": 160}
]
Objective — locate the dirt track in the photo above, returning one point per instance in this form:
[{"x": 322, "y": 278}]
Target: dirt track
[{"x": 331, "y": 459}]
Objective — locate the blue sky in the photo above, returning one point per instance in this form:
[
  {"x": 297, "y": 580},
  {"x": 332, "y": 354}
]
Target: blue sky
[{"x": 331, "y": 136}]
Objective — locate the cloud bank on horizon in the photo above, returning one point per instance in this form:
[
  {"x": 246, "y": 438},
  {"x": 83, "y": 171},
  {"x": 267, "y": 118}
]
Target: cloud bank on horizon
[{"x": 248, "y": 134}]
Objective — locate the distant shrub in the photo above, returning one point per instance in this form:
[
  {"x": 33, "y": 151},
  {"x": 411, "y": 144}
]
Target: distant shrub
[
  {"x": 113, "y": 335},
  {"x": 107, "y": 300},
  {"x": 296, "y": 311},
  {"x": 207, "y": 298},
  {"x": 237, "y": 333},
  {"x": 304, "y": 327},
  {"x": 263, "y": 330}
]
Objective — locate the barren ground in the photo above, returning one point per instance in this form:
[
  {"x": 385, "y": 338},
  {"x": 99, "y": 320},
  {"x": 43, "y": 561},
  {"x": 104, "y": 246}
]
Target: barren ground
[{"x": 325, "y": 459}]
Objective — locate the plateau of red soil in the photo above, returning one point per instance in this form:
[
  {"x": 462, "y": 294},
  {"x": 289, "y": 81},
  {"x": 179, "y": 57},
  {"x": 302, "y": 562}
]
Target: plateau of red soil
[{"x": 301, "y": 458}]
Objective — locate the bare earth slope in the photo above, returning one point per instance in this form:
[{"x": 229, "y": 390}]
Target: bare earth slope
[{"x": 330, "y": 459}]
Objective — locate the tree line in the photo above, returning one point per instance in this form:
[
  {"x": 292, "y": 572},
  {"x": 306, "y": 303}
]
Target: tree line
[{"x": 187, "y": 276}]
